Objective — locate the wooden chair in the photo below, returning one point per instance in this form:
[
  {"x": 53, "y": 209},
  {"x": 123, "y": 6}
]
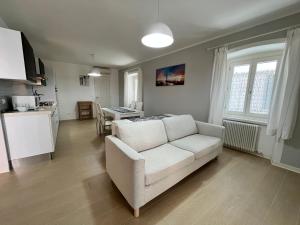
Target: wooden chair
[
  {"x": 85, "y": 110},
  {"x": 102, "y": 121}
]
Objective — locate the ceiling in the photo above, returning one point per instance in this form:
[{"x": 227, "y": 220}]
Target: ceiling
[{"x": 71, "y": 30}]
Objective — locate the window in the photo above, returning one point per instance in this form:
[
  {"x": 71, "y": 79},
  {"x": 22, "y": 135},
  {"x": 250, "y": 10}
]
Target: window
[
  {"x": 238, "y": 88},
  {"x": 263, "y": 87},
  {"x": 250, "y": 86},
  {"x": 132, "y": 87}
]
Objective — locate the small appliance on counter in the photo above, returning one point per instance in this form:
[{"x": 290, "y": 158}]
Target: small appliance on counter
[{"x": 24, "y": 103}]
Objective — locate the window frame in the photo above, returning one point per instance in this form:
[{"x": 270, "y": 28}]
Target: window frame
[
  {"x": 138, "y": 90},
  {"x": 251, "y": 60},
  {"x": 132, "y": 75},
  {"x": 135, "y": 78}
]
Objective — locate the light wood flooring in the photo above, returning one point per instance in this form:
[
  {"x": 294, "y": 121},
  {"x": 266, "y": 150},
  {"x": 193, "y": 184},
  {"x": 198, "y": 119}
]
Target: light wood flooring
[{"x": 73, "y": 189}]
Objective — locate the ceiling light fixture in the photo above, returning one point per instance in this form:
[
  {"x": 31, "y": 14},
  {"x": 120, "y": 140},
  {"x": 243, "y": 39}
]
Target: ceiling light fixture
[
  {"x": 95, "y": 71},
  {"x": 159, "y": 35}
]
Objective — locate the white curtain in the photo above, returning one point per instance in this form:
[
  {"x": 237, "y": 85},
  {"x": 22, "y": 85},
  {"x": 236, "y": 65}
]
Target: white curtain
[
  {"x": 132, "y": 92},
  {"x": 218, "y": 86},
  {"x": 284, "y": 107},
  {"x": 126, "y": 104}
]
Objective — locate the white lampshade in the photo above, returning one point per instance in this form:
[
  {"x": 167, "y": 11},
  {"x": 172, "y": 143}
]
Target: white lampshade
[
  {"x": 95, "y": 72},
  {"x": 159, "y": 35}
]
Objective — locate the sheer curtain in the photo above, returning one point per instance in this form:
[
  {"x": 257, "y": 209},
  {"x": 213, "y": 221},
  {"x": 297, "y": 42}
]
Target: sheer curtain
[
  {"x": 284, "y": 107},
  {"x": 218, "y": 86},
  {"x": 132, "y": 86}
]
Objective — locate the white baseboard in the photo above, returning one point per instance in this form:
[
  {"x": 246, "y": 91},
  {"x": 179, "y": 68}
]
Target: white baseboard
[{"x": 287, "y": 167}]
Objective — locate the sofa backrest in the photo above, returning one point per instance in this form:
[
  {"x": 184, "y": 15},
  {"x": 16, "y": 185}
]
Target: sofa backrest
[
  {"x": 115, "y": 126},
  {"x": 179, "y": 126},
  {"x": 143, "y": 135}
]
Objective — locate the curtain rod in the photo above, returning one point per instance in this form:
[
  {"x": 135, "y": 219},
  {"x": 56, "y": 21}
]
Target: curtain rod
[{"x": 252, "y": 37}]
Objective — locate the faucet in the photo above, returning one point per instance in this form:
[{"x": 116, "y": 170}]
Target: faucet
[{"x": 35, "y": 93}]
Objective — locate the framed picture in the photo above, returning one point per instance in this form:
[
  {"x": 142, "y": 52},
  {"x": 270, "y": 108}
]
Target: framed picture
[
  {"x": 84, "y": 80},
  {"x": 170, "y": 76}
]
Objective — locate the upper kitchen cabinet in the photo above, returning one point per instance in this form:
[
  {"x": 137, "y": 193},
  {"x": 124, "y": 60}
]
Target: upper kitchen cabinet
[
  {"x": 40, "y": 71},
  {"x": 17, "y": 60}
]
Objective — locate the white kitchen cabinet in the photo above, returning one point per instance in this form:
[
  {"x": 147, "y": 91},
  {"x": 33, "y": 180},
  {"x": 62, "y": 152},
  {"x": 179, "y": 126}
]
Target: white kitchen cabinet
[
  {"x": 31, "y": 133},
  {"x": 55, "y": 124},
  {"x": 12, "y": 65},
  {"x": 4, "y": 167}
]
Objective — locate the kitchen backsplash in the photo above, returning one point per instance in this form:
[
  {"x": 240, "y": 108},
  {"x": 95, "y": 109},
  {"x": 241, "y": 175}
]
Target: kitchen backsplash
[{"x": 9, "y": 88}]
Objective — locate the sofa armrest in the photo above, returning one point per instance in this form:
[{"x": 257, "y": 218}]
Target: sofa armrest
[
  {"x": 211, "y": 129},
  {"x": 126, "y": 168}
]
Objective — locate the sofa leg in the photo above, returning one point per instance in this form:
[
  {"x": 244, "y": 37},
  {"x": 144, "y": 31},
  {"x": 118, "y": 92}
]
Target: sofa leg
[{"x": 136, "y": 212}]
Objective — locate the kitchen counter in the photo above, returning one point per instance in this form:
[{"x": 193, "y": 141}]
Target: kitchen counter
[
  {"x": 31, "y": 133},
  {"x": 41, "y": 110}
]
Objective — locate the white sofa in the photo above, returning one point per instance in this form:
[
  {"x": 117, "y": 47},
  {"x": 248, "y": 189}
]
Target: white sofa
[{"x": 146, "y": 158}]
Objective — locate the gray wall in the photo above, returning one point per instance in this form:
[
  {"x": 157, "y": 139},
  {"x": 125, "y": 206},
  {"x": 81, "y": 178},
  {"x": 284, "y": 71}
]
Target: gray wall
[
  {"x": 9, "y": 88},
  {"x": 193, "y": 97},
  {"x": 121, "y": 87},
  {"x": 291, "y": 151}
]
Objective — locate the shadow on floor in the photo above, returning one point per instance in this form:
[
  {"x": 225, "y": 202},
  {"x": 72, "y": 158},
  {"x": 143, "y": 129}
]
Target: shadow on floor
[{"x": 113, "y": 208}]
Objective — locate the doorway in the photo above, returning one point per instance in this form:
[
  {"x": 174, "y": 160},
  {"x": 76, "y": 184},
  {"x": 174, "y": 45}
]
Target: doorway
[{"x": 102, "y": 90}]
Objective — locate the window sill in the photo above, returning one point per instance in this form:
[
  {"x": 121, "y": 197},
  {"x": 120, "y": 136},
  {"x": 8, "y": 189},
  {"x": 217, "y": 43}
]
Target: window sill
[{"x": 258, "y": 121}]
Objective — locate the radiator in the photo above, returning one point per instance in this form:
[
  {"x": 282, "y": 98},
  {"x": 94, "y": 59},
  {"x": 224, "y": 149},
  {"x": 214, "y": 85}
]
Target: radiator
[{"x": 240, "y": 136}]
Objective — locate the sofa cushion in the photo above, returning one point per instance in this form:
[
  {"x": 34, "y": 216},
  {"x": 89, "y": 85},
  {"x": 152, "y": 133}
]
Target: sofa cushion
[
  {"x": 143, "y": 135},
  {"x": 180, "y": 126},
  {"x": 163, "y": 161},
  {"x": 200, "y": 145}
]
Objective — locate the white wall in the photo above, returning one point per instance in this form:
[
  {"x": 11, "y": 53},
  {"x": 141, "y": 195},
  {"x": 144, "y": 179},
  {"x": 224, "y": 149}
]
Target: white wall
[{"x": 69, "y": 92}]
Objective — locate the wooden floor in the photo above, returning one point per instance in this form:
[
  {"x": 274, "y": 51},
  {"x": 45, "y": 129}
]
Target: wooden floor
[{"x": 74, "y": 189}]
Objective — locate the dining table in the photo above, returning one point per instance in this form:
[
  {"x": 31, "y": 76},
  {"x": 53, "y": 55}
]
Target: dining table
[{"x": 118, "y": 113}]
